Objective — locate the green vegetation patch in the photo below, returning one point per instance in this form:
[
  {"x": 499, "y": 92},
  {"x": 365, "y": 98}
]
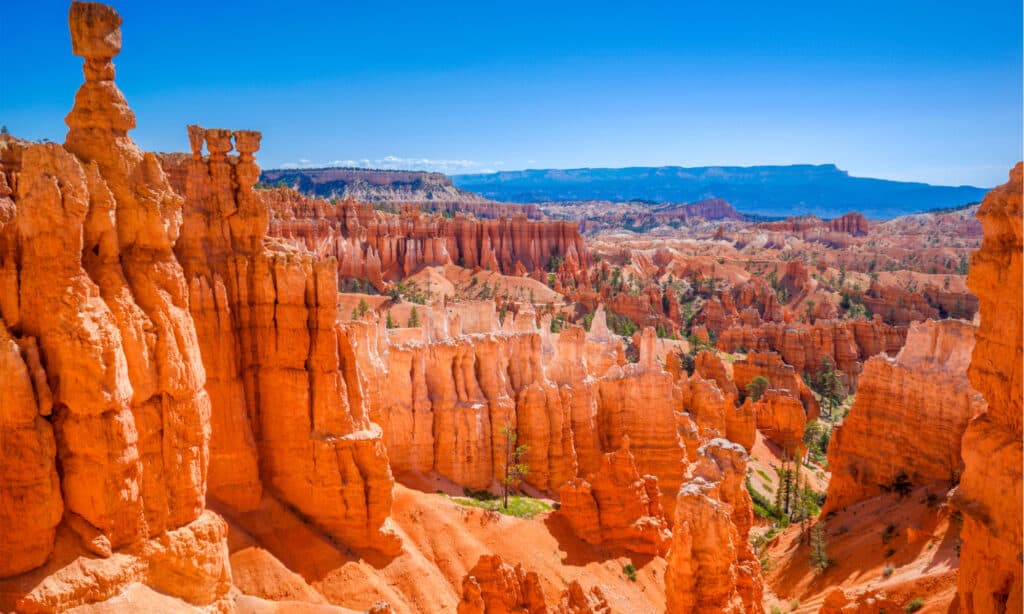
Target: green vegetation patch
[{"x": 518, "y": 505}]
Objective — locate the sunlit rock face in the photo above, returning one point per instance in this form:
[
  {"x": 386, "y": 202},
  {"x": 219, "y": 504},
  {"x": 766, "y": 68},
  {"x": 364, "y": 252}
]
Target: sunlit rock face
[
  {"x": 712, "y": 567},
  {"x": 107, "y": 390},
  {"x": 909, "y": 416},
  {"x": 989, "y": 494}
]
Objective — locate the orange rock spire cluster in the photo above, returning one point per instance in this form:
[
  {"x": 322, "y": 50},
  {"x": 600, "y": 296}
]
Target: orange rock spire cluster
[{"x": 184, "y": 415}]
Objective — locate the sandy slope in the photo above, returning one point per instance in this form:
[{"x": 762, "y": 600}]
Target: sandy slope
[{"x": 442, "y": 541}]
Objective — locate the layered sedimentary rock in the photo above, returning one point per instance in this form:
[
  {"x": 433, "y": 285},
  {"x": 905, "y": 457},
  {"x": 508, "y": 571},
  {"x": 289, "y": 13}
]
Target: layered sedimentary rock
[
  {"x": 568, "y": 397},
  {"x": 989, "y": 494},
  {"x": 495, "y": 587},
  {"x": 847, "y": 343},
  {"x": 190, "y": 562},
  {"x": 710, "y": 367},
  {"x": 290, "y": 412},
  {"x": 448, "y": 402},
  {"x": 780, "y": 376},
  {"x": 27, "y": 462},
  {"x": 908, "y": 418},
  {"x": 853, "y": 223},
  {"x": 379, "y": 246},
  {"x": 711, "y": 567},
  {"x": 782, "y": 419},
  {"x": 617, "y": 506},
  {"x": 98, "y": 338},
  {"x": 898, "y": 305}
]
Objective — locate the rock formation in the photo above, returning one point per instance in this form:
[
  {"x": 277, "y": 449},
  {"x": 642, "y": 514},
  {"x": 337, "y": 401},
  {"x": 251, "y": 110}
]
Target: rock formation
[
  {"x": 851, "y": 223},
  {"x": 617, "y": 506},
  {"x": 494, "y": 587},
  {"x": 782, "y": 419},
  {"x": 847, "y": 343},
  {"x": 379, "y": 246},
  {"x": 908, "y": 418},
  {"x": 290, "y": 402},
  {"x": 711, "y": 565},
  {"x": 781, "y": 377},
  {"x": 989, "y": 493},
  {"x": 171, "y": 340},
  {"x": 449, "y": 398},
  {"x": 107, "y": 379}
]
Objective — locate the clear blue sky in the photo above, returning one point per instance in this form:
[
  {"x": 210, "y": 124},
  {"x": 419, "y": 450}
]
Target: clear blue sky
[{"x": 926, "y": 91}]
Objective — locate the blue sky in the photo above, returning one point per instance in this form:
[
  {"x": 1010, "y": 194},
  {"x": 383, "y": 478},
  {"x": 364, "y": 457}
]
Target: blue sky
[{"x": 927, "y": 91}]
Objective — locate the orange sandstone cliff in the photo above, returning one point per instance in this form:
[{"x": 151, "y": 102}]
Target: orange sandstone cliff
[
  {"x": 712, "y": 567},
  {"x": 989, "y": 494},
  {"x": 908, "y": 419},
  {"x": 381, "y": 246},
  {"x": 108, "y": 394}
]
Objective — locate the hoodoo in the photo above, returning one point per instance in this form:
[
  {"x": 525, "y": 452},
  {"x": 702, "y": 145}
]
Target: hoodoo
[
  {"x": 989, "y": 494},
  {"x": 221, "y": 396}
]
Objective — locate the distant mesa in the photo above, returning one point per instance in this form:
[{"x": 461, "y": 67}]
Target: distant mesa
[
  {"x": 432, "y": 191},
  {"x": 772, "y": 191}
]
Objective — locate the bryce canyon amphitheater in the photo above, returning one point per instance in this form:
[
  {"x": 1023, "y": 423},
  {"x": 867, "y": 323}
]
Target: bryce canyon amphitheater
[{"x": 222, "y": 396}]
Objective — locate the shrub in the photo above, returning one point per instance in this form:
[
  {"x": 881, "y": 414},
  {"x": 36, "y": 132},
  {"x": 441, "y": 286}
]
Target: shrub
[
  {"x": 902, "y": 485},
  {"x": 914, "y": 604},
  {"x": 887, "y": 571},
  {"x": 630, "y": 571},
  {"x": 757, "y": 386}
]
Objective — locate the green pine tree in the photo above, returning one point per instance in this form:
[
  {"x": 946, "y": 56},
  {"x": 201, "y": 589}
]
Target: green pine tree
[{"x": 819, "y": 548}]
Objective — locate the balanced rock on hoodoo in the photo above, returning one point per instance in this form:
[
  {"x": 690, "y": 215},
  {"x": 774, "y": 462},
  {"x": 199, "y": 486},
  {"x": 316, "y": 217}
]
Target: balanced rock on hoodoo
[{"x": 94, "y": 307}]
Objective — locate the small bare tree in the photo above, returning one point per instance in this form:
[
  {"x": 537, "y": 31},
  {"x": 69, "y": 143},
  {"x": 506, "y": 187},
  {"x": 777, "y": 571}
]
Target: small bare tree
[{"x": 515, "y": 470}]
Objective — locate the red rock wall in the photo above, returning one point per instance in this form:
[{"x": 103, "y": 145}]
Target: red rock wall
[
  {"x": 381, "y": 246},
  {"x": 293, "y": 416},
  {"x": 780, "y": 376},
  {"x": 495, "y": 587},
  {"x": 617, "y": 506},
  {"x": 909, "y": 416},
  {"x": 847, "y": 343},
  {"x": 567, "y": 398},
  {"x": 851, "y": 223},
  {"x": 989, "y": 494}
]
